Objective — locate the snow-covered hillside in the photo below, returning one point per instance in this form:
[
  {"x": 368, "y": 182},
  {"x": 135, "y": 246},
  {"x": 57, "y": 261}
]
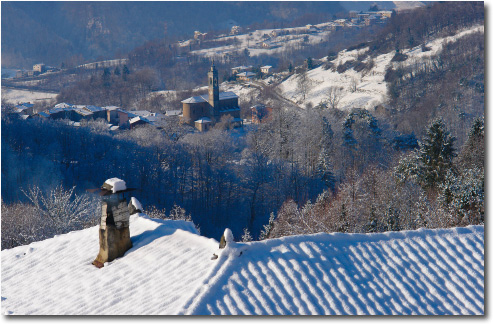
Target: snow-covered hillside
[
  {"x": 16, "y": 96},
  {"x": 169, "y": 270},
  {"x": 370, "y": 86}
]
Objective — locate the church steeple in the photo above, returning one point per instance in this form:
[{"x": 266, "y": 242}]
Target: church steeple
[{"x": 214, "y": 90}]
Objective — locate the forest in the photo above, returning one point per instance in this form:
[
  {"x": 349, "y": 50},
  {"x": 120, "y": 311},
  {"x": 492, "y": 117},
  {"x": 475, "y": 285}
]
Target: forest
[{"x": 417, "y": 161}]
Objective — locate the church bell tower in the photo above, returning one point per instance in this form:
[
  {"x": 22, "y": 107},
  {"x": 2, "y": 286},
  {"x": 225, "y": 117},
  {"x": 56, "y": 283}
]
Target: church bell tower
[{"x": 214, "y": 92}]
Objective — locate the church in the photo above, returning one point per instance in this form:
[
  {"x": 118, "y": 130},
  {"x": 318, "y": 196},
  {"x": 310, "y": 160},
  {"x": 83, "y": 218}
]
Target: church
[{"x": 204, "y": 111}]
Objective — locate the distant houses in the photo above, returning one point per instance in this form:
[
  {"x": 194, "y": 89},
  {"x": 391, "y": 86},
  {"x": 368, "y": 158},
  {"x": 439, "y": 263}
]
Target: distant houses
[
  {"x": 246, "y": 76},
  {"x": 37, "y": 69},
  {"x": 266, "y": 69},
  {"x": 116, "y": 117},
  {"x": 241, "y": 68}
]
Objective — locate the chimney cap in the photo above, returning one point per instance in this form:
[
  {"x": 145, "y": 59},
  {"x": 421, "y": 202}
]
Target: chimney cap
[{"x": 112, "y": 186}]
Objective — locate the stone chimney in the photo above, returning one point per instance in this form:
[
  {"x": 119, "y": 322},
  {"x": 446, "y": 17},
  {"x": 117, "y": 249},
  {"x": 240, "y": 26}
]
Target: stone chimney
[{"x": 114, "y": 231}]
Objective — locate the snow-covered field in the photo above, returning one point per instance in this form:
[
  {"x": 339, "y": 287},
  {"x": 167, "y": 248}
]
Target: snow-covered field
[
  {"x": 17, "y": 96},
  {"x": 169, "y": 271},
  {"x": 371, "y": 88}
]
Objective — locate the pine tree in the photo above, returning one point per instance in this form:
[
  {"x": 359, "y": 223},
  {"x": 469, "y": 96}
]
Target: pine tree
[
  {"x": 117, "y": 71},
  {"x": 344, "y": 224},
  {"x": 106, "y": 77},
  {"x": 247, "y": 237},
  {"x": 325, "y": 169},
  {"x": 372, "y": 226},
  {"x": 393, "y": 220},
  {"x": 125, "y": 72},
  {"x": 309, "y": 63},
  {"x": 436, "y": 154},
  {"x": 264, "y": 234},
  {"x": 429, "y": 165},
  {"x": 324, "y": 165}
]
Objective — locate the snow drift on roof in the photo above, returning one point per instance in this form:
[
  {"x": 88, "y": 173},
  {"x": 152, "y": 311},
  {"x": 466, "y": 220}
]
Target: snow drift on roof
[
  {"x": 205, "y": 97},
  {"x": 169, "y": 271},
  {"x": 410, "y": 272}
]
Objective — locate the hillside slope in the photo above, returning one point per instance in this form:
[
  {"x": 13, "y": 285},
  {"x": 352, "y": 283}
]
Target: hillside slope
[
  {"x": 360, "y": 89},
  {"x": 51, "y": 32},
  {"x": 169, "y": 271}
]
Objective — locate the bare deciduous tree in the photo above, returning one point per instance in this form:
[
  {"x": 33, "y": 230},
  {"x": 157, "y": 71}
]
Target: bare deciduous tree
[
  {"x": 334, "y": 96},
  {"x": 65, "y": 209},
  {"x": 304, "y": 84}
]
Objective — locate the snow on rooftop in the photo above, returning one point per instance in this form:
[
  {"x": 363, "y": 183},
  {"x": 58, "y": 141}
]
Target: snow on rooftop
[
  {"x": 203, "y": 120},
  {"x": 205, "y": 97},
  {"x": 137, "y": 118},
  {"x": 63, "y": 105},
  {"x": 169, "y": 271},
  {"x": 110, "y": 108},
  {"x": 142, "y": 113},
  {"x": 94, "y": 108},
  {"x": 246, "y": 74},
  {"x": 195, "y": 99},
  {"x": 173, "y": 112},
  {"x": 136, "y": 203}
]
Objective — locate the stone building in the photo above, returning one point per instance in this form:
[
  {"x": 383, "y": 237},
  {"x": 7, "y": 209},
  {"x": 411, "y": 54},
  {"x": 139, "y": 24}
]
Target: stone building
[
  {"x": 40, "y": 68},
  {"x": 212, "y": 106}
]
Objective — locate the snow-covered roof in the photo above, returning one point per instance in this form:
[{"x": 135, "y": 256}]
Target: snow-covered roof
[
  {"x": 195, "y": 99},
  {"x": 169, "y": 271},
  {"x": 93, "y": 108},
  {"x": 56, "y": 110},
  {"x": 143, "y": 113},
  {"x": 137, "y": 118},
  {"x": 173, "y": 112},
  {"x": 205, "y": 97},
  {"x": 203, "y": 120},
  {"x": 83, "y": 112},
  {"x": 44, "y": 114},
  {"x": 63, "y": 105},
  {"x": 246, "y": 74},
  {"x": 266, "y": 67},
  {"x": 110, "y": 108},
  {"x": 24, "y": 105}
]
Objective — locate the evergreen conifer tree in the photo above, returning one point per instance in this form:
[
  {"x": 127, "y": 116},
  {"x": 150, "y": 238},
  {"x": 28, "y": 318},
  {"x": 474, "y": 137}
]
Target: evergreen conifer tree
[
  {"x": 247, "y": 237},
  {"x": 436, "y": 154},
  {"x": 125, "y": 72},
  {"x": 325, "y": 169}
]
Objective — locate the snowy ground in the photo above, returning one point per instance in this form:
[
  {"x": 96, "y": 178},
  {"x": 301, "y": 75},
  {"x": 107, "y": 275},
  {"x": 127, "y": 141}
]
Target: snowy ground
[
  {"x": 371, "y": 88},
  {"x": 17, "y": 96},
  {"x": 169, "y": 271}
]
